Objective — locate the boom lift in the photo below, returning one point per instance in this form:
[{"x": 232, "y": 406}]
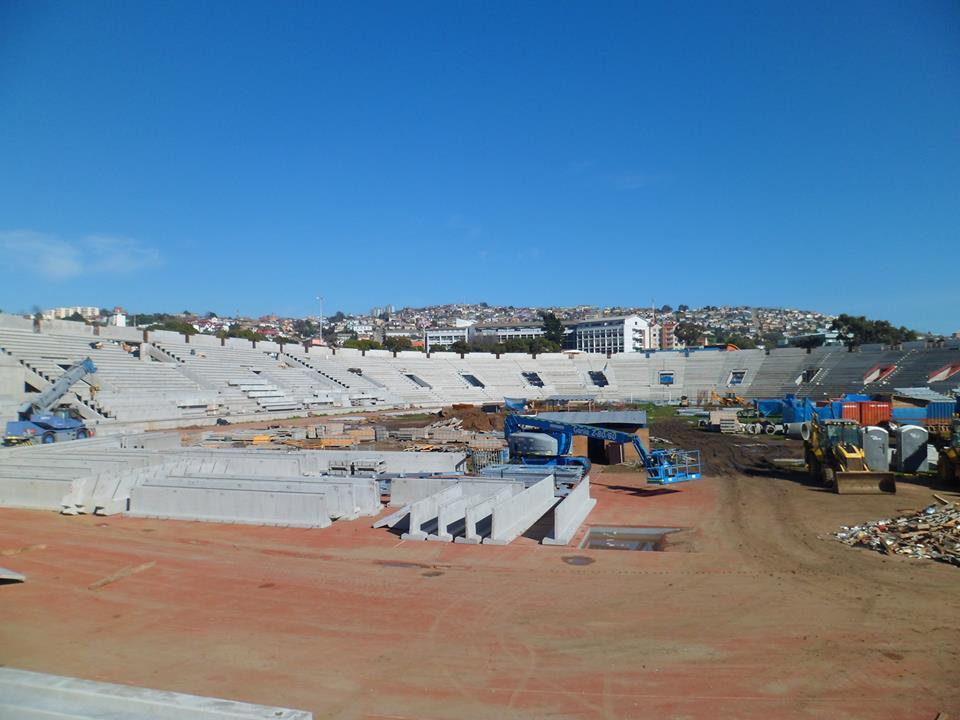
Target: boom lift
[
  {"x": 535, "y": 441},
  {"x": 833, "y": 452},
  {"x": 41, "y": 421}
]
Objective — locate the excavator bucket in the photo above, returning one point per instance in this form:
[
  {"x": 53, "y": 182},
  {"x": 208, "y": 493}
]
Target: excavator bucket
[{"x": 864, "y": 482}]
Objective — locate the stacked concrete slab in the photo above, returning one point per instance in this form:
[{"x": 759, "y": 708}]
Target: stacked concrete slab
[
  {"x": 146, "y": 475},
  {"x": 26, "y": 695}
]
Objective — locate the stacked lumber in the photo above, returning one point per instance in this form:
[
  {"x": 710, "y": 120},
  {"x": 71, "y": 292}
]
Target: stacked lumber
[{"x": 932, "y": 533}]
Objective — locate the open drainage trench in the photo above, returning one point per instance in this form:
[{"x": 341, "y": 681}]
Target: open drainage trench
[{"x": 645, "y": 539}]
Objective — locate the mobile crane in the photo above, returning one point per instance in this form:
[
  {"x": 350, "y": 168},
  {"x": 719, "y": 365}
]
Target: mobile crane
[
  {"x": 536, "y": 441},
  {"x": 41, "y": 421}
]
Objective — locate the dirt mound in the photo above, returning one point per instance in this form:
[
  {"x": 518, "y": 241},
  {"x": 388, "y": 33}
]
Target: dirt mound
[{"x": 473, "y": 418}]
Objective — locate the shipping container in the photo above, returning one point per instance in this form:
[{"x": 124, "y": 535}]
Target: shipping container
[
  {"x": 941, "y": 410},
  {"x": 874, "y": 413},
  {"x": 910, "y": 415},
  {"x": 851, "y": 411}
]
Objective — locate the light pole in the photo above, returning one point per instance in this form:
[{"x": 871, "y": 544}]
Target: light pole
[{"x": 320, "y": 298}]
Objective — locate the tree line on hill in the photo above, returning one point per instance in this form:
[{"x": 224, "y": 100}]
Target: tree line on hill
[{"x": 852, "y": 331}]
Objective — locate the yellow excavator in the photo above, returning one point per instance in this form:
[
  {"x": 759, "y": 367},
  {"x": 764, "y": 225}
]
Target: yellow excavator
[{"x": 833, "y": 452}]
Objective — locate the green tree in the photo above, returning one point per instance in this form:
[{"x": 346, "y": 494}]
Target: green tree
[
  {"x": 235, "y": 331},
  {"x": 688, "y": 333},
  {"x": 809, "y": 341},
  {"x": 362, "y": 344},
  {"x": 460, "y": 346},
  {"x": 75, "y": 317},
  {"x": 744, "y": 342},
  {"x": 304, "y": 328},
  {"x": 855, "y": 330},
  {"x": 541, "y": 345},
  {"x": 553, "y": 328},
  {"x": 516, "y": 345},
  {"x": 398, "y": 343},
  {"x": 174, "y": 325}
]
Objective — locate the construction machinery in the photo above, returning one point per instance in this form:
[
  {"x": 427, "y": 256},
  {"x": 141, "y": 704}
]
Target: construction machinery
[
  {"x": 42, "y": 420},
  {"x": 948, "y": 447},
  {"x": 536, "y": 441},
  {"x": 728, "y": 400},
  {"x": 833, "y": 454}
]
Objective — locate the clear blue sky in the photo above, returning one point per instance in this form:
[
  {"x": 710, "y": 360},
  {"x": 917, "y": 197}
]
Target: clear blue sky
[{"x": 223, "y": 156}]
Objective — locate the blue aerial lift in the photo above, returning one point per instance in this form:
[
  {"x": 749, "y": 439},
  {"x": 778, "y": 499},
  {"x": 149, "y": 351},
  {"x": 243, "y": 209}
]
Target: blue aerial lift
[
  {"x": 41, "y": 421},
  {"x": 536, "y": 441}
]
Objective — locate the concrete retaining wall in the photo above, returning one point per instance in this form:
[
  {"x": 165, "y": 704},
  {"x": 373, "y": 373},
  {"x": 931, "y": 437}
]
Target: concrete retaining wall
[
  {"x": 205, "y": 340},
  {"x": 404, "y": 491},
  {"x": 166, "y": 336},
  {"x": 514, "y": 516},
  {"x": 396, "y": 461},
  {"x": 15, "y": 322},
  {"x": 111, "y": 332},
  {"x": 279, "y": 507},
  {"x": 476, "y": 518},
  {"x": 570, "y": 514},
  {"x": 427, "y": 509}
]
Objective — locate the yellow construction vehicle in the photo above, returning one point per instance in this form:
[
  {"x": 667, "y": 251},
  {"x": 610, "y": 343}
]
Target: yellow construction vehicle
[
  {"x": 948, "y": 462},
  {"x": 833, "y": 452},
  {"x": 729, "y": 399}
]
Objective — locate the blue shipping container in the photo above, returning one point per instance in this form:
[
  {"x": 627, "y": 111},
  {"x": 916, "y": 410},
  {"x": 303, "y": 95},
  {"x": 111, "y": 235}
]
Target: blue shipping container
[
  {"x": 941, "y": 410},
  {"x": 910, "y": 416}
]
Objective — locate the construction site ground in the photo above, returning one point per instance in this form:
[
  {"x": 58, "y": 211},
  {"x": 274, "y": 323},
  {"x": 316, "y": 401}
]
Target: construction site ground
[{"x": 752, "y": 612}]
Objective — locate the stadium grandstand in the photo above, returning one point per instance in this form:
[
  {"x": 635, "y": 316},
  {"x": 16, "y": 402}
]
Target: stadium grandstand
[{"x": 164, "y": 379}]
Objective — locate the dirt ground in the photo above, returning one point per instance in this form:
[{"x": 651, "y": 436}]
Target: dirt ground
[{"x": 752, "y": 612}]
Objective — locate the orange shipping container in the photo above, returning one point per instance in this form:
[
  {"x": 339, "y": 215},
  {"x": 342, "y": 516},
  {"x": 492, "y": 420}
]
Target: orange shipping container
[
  {"x": 851, "y": 411},
  {"x": 874, "y": 413}
]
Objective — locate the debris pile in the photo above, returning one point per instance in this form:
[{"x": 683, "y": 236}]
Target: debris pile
[{"x": 932, "y": 533}]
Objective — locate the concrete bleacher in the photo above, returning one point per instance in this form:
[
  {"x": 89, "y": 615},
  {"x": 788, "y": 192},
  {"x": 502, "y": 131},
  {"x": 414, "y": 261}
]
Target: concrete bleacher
[
  {"x": 160, "y": 376},
  {"x": 777, "y": 373},
  {"x": 125, "y": 387}
]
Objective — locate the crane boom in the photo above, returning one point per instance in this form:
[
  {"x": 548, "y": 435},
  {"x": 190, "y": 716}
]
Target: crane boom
[
  {"x": 662, "y": 466},
  {"x": 48, "y": 399}
]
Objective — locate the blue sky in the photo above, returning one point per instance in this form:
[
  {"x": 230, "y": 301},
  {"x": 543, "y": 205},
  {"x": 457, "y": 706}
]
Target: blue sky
[{"x": 250, "y": 156}]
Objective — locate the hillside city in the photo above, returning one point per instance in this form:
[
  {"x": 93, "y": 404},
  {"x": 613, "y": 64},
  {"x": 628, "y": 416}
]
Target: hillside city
[{"x": 741, "y": 325}]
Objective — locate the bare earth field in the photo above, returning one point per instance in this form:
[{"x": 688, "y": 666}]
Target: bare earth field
[{"x": 748, "y": 614}]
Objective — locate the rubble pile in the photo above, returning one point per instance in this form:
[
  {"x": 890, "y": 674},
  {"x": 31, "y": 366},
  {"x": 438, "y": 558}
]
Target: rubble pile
[{"x": 932, "y": 533}]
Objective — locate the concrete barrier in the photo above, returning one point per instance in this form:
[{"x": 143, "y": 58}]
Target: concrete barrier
[
  {"x": 427, "y": 509},
  {"x": 404, "y": 491},
  {"x": 245, "y": 506},
  {"x": 451, "y": 516},
  {"x": 477, "y": 514},
  {"x": 570, "y": 514},
  {"x": 26, "y": 694},
  {"x": 514, "y": 516}
]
